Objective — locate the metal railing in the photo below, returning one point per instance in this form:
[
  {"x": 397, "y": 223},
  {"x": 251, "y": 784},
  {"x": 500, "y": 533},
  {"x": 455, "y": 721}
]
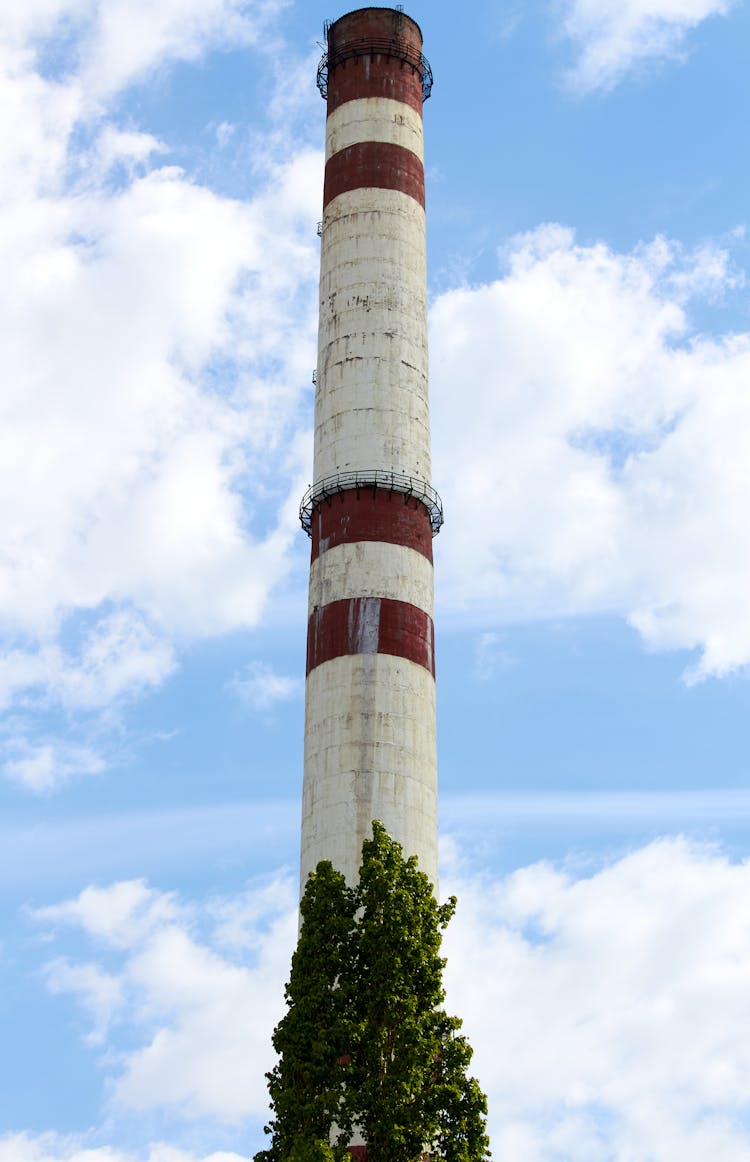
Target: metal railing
[
  {"x": 368, "y": 46},
  {"x": 407, "y": 486}
]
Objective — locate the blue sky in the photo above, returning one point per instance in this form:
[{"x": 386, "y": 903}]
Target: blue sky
[{"x": 590, "y": 355}]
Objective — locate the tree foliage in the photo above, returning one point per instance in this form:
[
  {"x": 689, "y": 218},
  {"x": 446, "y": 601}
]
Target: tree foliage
[{"x": 365, "y": 1042}]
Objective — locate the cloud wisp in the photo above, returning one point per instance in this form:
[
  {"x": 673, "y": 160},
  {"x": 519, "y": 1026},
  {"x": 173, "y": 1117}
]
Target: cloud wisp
[
  {"x": 261, "y": 688},
  {"x": 613, "y": 40}
]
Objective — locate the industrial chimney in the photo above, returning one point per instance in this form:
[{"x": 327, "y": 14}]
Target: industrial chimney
[{"x": 371, "y": 512}]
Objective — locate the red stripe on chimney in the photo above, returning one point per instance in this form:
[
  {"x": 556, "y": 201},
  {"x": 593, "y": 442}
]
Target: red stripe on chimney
[
  {"x": 370, "y": 625},
  {"x": 374, "y": 165},
  {"x": 374, "y": 76},
  {"x": 371, "y": 514}
]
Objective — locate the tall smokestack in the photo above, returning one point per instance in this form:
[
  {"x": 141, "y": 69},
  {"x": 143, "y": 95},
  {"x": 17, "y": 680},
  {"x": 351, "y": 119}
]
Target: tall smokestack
[{"x": 371, "y": 512}]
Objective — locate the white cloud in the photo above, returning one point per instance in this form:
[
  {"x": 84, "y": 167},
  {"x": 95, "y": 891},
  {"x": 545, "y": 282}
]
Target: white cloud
[
  {"x": 127, "y": 147},
  {"x": 99, "y": 992},
  {"x": 261, "y": 688},
  {"x": 601, "y": 467},
  {"x": 42, "y": 767},
  {"x": 612, "y": 39},
  {"x": 201, "y": 1018},
  {"x": 490, "y": 656},
  {"x": 133, "y": 453},
  {"x": 243, "y": 922},
  {"x": 118, "y": 655},
  {"x": 156, "y": 340},
  {"x": 129, "y": 38},
  {"x": 211, "y": 1021},
  {"x": 121, "y": 916},
  {"x": 112, "y": 43},
  {"x": 56, "y": 1148},
  {"x": 608, "y": 1011}
]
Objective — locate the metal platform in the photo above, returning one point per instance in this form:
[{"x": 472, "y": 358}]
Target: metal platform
[
  {"x": 375, "y": 46},
  {"x": 330, "y": 486}
]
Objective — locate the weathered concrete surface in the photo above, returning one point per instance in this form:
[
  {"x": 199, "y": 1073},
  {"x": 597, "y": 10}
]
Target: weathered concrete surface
[
  {"x": 369, "y": 754},
  {"x": 371, "y": 407},
  {"x": 374, "y": 119},
  {"x": 370, "y": 748},
  {"x": 372, "y": 569}
]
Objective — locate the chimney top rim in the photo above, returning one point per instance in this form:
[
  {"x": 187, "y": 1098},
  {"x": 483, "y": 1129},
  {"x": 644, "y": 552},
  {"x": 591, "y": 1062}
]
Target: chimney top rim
[{"x": 330, "y": 25}]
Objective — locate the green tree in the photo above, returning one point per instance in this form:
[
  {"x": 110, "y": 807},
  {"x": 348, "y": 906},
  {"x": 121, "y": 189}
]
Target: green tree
[
  {"x": 365, "y": 1041},
  {"x": 307, "y": 1084}
]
